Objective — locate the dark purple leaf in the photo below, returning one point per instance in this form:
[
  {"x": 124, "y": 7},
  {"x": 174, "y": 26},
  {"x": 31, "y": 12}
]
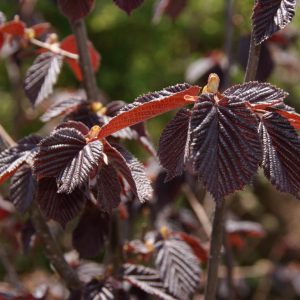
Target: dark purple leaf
[
  {"x": 257, "y": 92},
  {"x": 146, "y": 279},
  {"x": 108, "y": 188},
  {"x": 281, "y": 158},
  {"x": 41, "y": 77},
  {"x": 80, "y": 167},
  {"x": 128, "y": 5},
  {"x": 91, "y": 232},
  {"x": 63, "y": 107},
  {"x": 178, "y": 267},
  {"x": 75, "y": 9},
  {"x": 173, "y": 144},
  {"x": 225, "y": 148},
  {"x": 59, "y": 207},
  {"x": 132, "y": 170},
  {"x": 75, "y": 125},
  {"x": 270, "y": 16},
  {"x": 13, "y": 158},
  {"x": 66, "y": 155},
  {"x": 22, "y": 188}
]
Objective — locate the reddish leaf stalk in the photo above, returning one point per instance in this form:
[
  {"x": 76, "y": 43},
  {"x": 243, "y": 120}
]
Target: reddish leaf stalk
[
  {"x": 53, "y": 252},
  {"x": 215, "y": 251},
  {"x": 89, "y": 79},
  {"x": 253, "y": 60}
]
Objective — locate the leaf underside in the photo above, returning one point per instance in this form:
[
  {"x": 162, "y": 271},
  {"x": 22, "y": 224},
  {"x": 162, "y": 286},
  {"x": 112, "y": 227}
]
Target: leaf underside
[
  {"x": 132, "y": 171},
  {"x": 173, "y": 144},
  {"x": 22, "y": 188},
  {"x": 59, "y": 207},
  {"x": 75, "y": 9},
  {"x": 146, "y": 279},
  {"x": 225, "y": 149},
  {"x": 91, "y": 232},
  {"x": 281, "y": 158},
  {"x": 108, "y": 188},
  {"x": 178, "y": 267},
  {"x": 270, "y": 16},
  {"x": 149, "y": 106},
  {"x": 41, "y": 77},
  {"x": 128, "y": 5}
]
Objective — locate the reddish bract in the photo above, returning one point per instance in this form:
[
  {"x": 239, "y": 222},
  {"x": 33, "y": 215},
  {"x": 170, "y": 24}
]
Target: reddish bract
[{"x": 69, "y": 44}]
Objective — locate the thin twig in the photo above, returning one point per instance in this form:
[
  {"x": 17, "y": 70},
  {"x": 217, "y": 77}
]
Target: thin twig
[
  {"x": 198, "y": 210},
  {"x": 89, "y": 78},
  {"x": 54, "y": 48},
  {"x": 53, "y": 252},
  {"x": 253, "y": 60},
  {"x": 228, "y": 41},
  {"x": 215, "y": 251}
]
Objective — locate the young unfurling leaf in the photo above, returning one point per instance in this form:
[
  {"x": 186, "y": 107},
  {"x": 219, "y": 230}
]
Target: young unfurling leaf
[
  {"x": 225, "y": 146},
  {"x": 69, "y": 44},
  {"x": 42, "y": 76},
  {"x": 269, "y": 16},
  {"x": 149, "y": 106}
]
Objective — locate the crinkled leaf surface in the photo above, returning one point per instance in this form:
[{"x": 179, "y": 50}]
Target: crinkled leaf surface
[
  {"x": 132, "y": 170},
  {"x": 224, "y": 147},
  {"x": 128, "y": 5},
  {"x": 178, "y": 267},
  {"x": 80, "y": 167},
  {"x": 256, "y": 92},
  {"x": 59, "y": 207},
  {"x": 22, "y": 188},
  {"x": 281, "y": 157},
  {"x": 91, "y": 232},
  {"x": 63, "y": 107},
  {"x": 66, "y": 155},
  {"x": 108, "y": 188},
  {"x": 173, "y": 142},
  {"x": 146, "y": 279},
  {"x": 269, "y": 16},
  {"x": 41, "y": 76},
  {"x": 75, "y": 9},
  {"x": 149, "y": 106},
  {"x": 13, "y": 158}
]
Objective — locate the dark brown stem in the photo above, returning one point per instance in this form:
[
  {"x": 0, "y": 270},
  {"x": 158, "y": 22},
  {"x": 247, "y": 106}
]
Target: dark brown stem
[
  {"x": 229, "y": 262},
  {"x": 89, "y": 79},
  {"x": 228, "y": 41},
  {"x": 215, "y": 251},
  {"x": 53, "y": 252},
  {"x": 253, "y": 60}
]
